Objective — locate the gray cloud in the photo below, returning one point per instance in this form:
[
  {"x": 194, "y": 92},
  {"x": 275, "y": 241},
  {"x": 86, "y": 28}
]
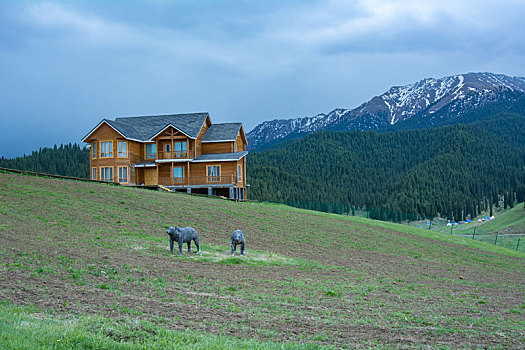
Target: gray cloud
[{"x": 66, "y": 65}]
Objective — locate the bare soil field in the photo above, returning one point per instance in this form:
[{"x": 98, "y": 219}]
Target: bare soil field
[{"x": 82, "y": 248}]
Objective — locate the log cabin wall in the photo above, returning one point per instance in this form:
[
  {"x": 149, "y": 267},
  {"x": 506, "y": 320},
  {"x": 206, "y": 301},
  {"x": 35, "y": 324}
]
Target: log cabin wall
[
  {"x": 217, "y": 147},
  {"x": 241, "y": 163},
  {"x": 135, "y": 150},
  {"x": 198, "y": 141},
  {"x": 200, "y": 171},
  {"x": 104, "y": 134},
  {"x": 239, "y": 143},
  {"x": 164, "y": 170}
]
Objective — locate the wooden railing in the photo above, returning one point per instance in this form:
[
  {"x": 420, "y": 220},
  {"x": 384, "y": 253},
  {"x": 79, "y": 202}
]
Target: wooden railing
[
  {"x": 198, "y": 180},
  {"x": 175, "y": 155}
]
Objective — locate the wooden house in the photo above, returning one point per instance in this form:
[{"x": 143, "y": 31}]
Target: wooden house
[{"x": 184, "y": 152}]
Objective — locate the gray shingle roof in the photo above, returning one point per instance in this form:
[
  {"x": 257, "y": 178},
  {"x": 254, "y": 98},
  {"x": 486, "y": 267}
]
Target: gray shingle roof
[
  {"x": 222, "y": 132},
  {"x": 146, "y": 127},
  {"x": 218, "y": 157}
]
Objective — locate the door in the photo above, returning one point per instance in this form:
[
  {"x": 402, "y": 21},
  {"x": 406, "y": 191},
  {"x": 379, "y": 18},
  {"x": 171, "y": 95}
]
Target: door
[{"x": 150, "y": 176}]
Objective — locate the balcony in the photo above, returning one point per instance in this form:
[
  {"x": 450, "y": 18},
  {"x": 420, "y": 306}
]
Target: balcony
[
  {"x": 175, "y": 155},
  {"x": 198, "y": 180}
]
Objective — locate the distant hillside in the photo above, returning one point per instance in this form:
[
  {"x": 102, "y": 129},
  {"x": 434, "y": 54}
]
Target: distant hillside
[
  {"x": 430, "y": 102},
  {"x": 450, "y": 171},
  {"x": 66, "y": 160}
]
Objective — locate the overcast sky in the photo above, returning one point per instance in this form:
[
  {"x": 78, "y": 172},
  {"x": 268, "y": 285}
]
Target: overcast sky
[{"x": 64, "y": 66}]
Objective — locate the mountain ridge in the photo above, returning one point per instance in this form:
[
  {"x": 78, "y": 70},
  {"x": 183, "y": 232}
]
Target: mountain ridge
[{"x": 400, "y": 103}]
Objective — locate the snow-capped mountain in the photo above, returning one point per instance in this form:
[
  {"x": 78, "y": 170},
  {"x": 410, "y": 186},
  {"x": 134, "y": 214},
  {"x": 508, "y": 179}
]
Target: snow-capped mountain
[{"x": 459, "y": 93}]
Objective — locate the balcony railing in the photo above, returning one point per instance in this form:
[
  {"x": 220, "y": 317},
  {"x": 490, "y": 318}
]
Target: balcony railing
[
  {"x": 198, "y": 180},
  {"x": 175, "y": 155}
]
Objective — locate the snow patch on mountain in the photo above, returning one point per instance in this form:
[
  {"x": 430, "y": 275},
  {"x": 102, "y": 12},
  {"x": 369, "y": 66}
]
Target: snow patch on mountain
[{"x": 398, "y": 103}]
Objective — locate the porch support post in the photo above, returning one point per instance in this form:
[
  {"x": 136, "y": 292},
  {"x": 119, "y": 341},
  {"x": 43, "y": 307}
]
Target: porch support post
[
  {"x": 188, "y": 174},
  {"x": 232, "y": 194},
  {"x": 188, "y": 190},
  {"x": 210, "y": 191}
]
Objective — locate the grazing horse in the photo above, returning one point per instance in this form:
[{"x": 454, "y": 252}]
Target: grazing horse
[
  {"x": 237, "y": 237},
  {"x": 183, "y": 235}
]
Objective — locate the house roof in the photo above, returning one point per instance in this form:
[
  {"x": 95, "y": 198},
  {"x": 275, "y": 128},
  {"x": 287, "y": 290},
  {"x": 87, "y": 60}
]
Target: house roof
[
  {"x": 220, "y": 157},
  {"x": 146, "y": 127},
  {"x": 222, "y": 132}
]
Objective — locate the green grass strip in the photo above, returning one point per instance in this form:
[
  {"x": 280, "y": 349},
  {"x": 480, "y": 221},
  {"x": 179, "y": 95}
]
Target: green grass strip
[{"x": 29, "y": 328}]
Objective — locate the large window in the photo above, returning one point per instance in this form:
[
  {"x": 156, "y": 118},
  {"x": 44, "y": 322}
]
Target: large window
[
  {"x": 106, "y": 149},
  {"x": 180, "y": 149},
  {"x": 214, "y": 173},
  {"x": 123, "y": 174},
  {"x": 94, "y": 174},
  {"x": 178, "y": 174},
  {"x": 122, "y": 149},
  {"x": 151, "y": 150},
  {"x": 239, "y": 173},
  {"x": 94, "y": 150},
  {"x": 106, "y": 173}
]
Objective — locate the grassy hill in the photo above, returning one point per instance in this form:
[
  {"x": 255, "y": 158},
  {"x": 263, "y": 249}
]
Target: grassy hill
[
  {"x": 87, "y": 265},
  {"x": 508, "y": 224}
]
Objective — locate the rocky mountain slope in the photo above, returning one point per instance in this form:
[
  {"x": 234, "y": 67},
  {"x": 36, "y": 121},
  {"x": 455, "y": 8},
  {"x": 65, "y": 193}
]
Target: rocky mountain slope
[{"x": 429, "y": 100}]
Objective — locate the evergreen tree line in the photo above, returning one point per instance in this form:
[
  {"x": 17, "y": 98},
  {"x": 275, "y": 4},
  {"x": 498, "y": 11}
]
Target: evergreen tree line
[
  {"x": 449, "y": 171},
  {"x": 65, "y": 160}
]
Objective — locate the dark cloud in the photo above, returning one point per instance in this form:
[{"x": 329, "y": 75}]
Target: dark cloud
[{"x": 66, "y": 65}]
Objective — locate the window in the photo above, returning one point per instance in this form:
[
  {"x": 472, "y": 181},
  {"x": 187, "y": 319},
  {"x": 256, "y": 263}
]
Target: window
[
  {"x": 106, "y": 173},
  {"x": 94, "y": 174},
  {"x": 123, "y": 174},
  {"x": 239, "y": 173},
  {"x": 180, "y": 149},
  {"x": 214, "y": 173},
  {"x": 106, "y": 149},
  {"x": 151, "y": 150},
  {"x": 178, "y": 174},
  {"x": 167, "y": 148},
  {"x": 123, "y": 149},
  {"x": 94, "y": 150}
]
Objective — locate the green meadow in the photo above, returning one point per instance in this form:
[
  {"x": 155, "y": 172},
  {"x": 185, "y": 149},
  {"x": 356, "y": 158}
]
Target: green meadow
[{"x": 87, "y": 265}]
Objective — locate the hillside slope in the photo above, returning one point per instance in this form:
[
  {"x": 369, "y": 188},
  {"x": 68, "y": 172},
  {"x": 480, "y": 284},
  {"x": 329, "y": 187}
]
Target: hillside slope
[
  {"x": 507, "y": 222},
  {"x": 74, "y": 248},
  {"x": 449, "y": 171}
]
